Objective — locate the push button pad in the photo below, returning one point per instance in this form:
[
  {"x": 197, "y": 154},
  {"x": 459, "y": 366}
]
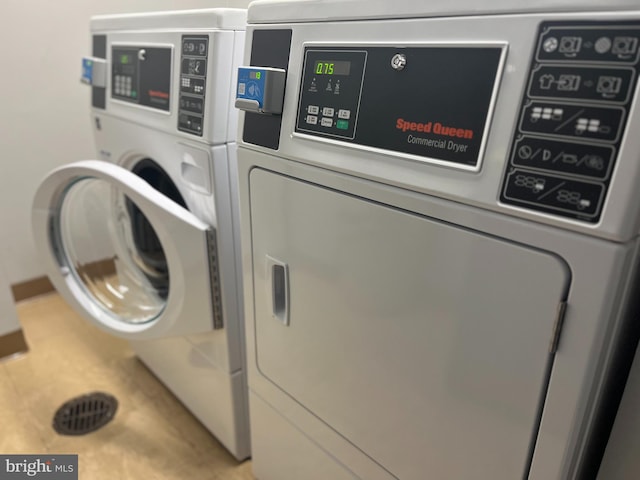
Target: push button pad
[
  {"x": 331, "y": 90},
  {"x": 193, "y": 80},
  {"x": 572, "y": 118}
]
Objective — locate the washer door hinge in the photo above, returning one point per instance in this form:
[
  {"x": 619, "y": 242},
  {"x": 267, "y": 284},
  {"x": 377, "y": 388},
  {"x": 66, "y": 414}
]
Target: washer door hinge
[
  {"x": 557, "y": 327},
  {"x": 214, "y": 273}
]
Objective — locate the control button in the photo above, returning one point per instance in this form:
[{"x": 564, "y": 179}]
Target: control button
[
  {"x": 313, "y": 109},
  {"x": 600, "y": 84},
  {"x": 565, "y": 157},
  {"x": 346, "y": 114},
  {"x": 576, "y": 121},
  {"x": 327, "y": 111},
  {"x": 553, "y": 193},
  {"x": 326, "y": 122},
  {"x": 312, "y": 119},
  {"x": 342, "y": 124}
]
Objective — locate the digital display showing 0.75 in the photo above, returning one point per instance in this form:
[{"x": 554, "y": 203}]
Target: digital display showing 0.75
[{"x": 332, "y": 67}]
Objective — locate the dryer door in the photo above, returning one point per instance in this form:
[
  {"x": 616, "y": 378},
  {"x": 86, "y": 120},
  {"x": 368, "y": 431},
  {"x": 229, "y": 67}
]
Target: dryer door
[
  {"x": 88, "y": 220},
  {"x": 424, "y": 344}
]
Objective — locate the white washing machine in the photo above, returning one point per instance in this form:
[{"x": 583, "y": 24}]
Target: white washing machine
[
  {"x": 142, "y": 241},
  {"x": 440, "y": 219}
]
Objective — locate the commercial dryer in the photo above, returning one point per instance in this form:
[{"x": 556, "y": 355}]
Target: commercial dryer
[
  {"x": 440, "y": 218},
  {"x": 142, "y": 241}
]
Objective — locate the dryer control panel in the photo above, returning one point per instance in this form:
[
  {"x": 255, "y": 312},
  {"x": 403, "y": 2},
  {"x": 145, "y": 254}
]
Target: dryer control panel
[
  {"x": 413, "y": 100},
  {"x": 572, "y": 118}
]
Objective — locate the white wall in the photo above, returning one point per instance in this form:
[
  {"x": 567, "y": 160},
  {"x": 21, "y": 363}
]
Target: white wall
[{"x": 44, "y": 109}]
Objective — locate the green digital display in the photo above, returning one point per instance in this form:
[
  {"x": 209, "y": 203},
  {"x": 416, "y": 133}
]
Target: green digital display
[
  {"x": 332, "y": 67},
  {"x": 124, "y": 59}
]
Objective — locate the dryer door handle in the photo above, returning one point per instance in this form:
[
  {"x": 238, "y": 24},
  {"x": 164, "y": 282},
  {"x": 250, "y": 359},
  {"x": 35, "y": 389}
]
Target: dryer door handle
[{"x": 277, "y": 274}]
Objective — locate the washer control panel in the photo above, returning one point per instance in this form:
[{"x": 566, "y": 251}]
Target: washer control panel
[
  {"x": 572, "y": 118},
  {"x": 142, "y": 76},
  {"x": 193, "y": 81}
]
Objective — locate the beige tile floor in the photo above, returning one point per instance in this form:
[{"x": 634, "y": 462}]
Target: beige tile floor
[{"x": 152, "y": 437}]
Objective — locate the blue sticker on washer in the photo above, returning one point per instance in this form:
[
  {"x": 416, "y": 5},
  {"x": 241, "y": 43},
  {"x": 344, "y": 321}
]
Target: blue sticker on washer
[{"x": 87, "y": 71}]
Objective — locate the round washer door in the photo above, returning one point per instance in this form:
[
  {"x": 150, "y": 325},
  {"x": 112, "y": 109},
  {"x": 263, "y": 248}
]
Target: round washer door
[{"x": 84, "y": 220}]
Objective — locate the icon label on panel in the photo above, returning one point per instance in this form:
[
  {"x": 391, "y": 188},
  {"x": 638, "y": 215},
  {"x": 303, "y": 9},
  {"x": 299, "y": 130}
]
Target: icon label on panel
[
  {"x": 572, "y": 158},
  {"x": 570, "y": 46},
  {"x": 609, "y": 86},
  {"x": 546, "y": 81},
  {"x": 602, "y": 45},
  {"x": 550, "y": 44},
  {"x": 586, "y": 83},
  {"x": 588, "y": 44},
  {"x": 568, "y": 83},
  {"x": 624, "y": 47},
  {"x": 553, "y": 193},
  {"x": 572, "y": 117},
  {"x": 597, "y": 123},
  {"x": 547, "y": 113}
]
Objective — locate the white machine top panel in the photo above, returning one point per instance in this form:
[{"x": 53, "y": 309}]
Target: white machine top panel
[
  {"x": 287, "y": 11},
  {"x": 209, "y": 18}
]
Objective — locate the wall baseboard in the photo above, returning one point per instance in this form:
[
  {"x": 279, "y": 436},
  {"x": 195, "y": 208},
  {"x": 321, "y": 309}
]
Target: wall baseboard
[
  {"x": 41, "y": 285},
  {"x": 12, "y": 344},
  {"x": 31, "y": 288}
]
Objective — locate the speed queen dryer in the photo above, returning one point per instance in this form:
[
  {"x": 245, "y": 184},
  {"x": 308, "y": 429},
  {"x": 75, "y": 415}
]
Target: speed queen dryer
[
  {"x": 142, "y": 242},
  {"x": 439, "y": 235}
]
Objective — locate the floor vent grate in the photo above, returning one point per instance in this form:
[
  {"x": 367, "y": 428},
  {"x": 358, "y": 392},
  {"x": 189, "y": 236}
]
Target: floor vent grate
[{"x": 85, "y": 414}]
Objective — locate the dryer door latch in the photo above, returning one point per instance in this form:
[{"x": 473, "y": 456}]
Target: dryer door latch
[{"x": 557, "y": 328}]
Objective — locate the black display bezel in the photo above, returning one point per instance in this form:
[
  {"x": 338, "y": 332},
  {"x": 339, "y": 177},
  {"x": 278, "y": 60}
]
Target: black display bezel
[{"x": 152, "y": 76}]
